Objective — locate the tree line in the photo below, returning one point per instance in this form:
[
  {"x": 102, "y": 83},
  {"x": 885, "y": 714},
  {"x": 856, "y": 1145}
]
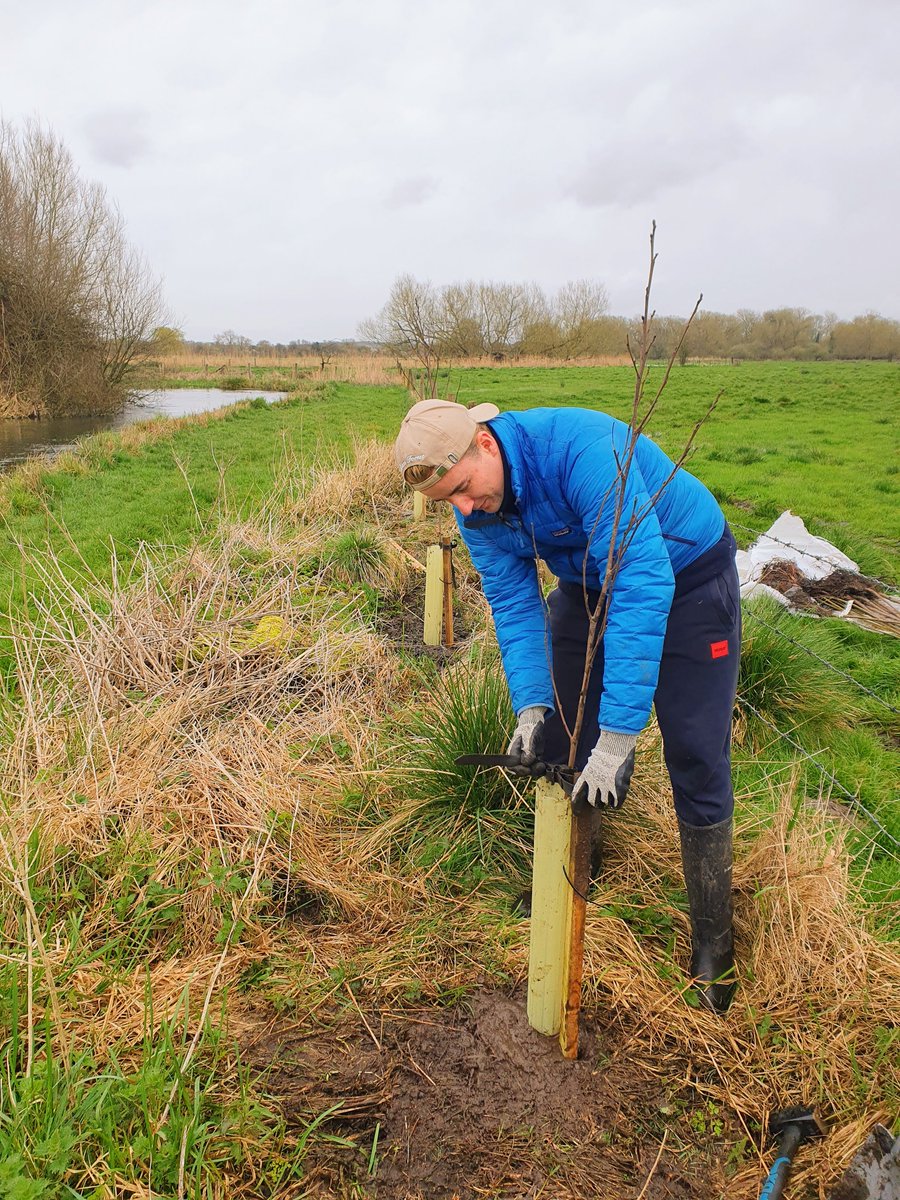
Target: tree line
[
  {"x": 77, "y": 302},
  {"x": 511, "y": 320},
  {"x": 78, "y": 306}
]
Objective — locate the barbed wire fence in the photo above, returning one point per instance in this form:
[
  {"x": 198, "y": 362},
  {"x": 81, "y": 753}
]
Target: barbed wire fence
[
  {"x": 851, "y": 796},
  {"x": 892, "y": 588},
  {"x": 824, "y": 661},
  {"x": 884, "y": 834}
]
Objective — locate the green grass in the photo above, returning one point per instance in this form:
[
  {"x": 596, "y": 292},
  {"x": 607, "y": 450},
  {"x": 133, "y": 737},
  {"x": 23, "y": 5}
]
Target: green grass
[
  {"x": 164, "y": 492},
  {"x": 816, "y": 438},
  {"x": 467, "y": 819},
  {"x": 822, "y": 430},
  {"x": 72, "y": 1125}
]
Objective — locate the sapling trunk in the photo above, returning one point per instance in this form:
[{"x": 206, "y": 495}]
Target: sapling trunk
[{"x": 447, "y": 567}]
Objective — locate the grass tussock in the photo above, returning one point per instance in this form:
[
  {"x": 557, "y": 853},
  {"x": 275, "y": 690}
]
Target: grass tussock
[
  {"x": 223, "y": 793},
  {"x": 794, "y": 690},
  {"x": 365, "y": 484}
]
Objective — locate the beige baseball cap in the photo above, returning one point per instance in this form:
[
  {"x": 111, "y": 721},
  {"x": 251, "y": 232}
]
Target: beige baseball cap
[{"x": 437, "y": 433}]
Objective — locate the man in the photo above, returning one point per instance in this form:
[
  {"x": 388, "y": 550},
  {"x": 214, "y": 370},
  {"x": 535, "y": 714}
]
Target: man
[{"x": 553, "y": 484}]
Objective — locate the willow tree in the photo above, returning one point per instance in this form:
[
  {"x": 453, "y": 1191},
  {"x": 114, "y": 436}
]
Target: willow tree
[{"x": 77, "y": 302}]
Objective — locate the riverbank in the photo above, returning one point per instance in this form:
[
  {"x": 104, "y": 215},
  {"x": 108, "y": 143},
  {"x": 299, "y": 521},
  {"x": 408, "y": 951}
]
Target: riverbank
[
  {"x": 260, "y": 931},
  {"x": 21, "y": 440},
  {"x": 777, "y": 440},
  {"x": 158, "y": 482}
]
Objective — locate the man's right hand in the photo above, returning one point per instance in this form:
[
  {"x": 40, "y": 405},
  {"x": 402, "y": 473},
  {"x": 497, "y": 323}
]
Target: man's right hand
[{"x": 528, "y": 740}]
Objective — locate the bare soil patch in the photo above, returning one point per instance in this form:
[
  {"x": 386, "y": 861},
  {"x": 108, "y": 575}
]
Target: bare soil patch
[
  {"x": 400, "y": 619},
  {"x": 472, "y": 1102}
]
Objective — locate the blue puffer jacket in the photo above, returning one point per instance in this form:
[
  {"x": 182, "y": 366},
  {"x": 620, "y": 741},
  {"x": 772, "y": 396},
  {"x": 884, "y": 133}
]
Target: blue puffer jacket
[{"x": 563, "y": 470}]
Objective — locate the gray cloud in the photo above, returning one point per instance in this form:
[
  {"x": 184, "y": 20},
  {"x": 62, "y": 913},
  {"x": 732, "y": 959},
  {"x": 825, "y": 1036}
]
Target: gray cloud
[
  {"x": 118, "y": 136},
  {"x": 626, "y": 174},
  {"x": 414, "y": 190},
  {"x": 295, "y": 158}
]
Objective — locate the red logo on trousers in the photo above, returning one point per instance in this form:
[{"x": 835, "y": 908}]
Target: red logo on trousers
[{"x": 718, "y": 649}]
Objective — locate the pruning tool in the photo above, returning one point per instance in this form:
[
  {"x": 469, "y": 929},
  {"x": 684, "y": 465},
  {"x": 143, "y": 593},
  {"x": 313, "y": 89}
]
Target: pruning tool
[{"x": 564, "y": 776}]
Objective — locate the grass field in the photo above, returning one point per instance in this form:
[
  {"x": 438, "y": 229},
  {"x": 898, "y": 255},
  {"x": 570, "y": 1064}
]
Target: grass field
[{"x": 231, "y": 847}]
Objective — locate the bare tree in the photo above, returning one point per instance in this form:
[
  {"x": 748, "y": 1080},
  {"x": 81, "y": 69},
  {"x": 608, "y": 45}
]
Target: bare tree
[
  {"x": 463, "y": 332},
  {"x": 579, "y": 305},
  {"x": 505, "y": 310},
  {"x": 77, "y": 303},
  {"x": 868, "y": 336},
  {"x": 487, "y": 319},
  {"x": 230, "y": 342}
]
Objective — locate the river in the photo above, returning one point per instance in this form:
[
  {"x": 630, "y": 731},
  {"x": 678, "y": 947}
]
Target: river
[{"x": 20, "y": 440}]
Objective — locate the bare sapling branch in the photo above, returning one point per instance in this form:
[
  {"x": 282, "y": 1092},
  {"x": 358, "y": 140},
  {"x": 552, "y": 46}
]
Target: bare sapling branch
[
  {"x": 622, "y": 528},
  {"x": 620, "y": 538}
]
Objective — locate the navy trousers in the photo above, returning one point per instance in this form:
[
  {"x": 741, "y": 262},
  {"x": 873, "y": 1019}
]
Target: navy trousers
[{"x": 694, "y": 696}]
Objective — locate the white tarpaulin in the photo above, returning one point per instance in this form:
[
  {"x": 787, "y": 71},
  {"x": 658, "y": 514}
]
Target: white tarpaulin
[{"x": 788, "y": 540}]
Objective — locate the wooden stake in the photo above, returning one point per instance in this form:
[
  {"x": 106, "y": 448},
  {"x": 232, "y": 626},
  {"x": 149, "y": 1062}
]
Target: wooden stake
[
  {"x": 433, "y": 596},
  {"x": 419, "y": 506},
  {"x": 580, "y": 876},
  {"x": 446, "y": 552},
  {"x": 551, "y": 909}
]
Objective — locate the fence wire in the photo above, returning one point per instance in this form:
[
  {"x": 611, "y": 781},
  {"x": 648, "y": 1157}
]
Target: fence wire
[
  {"x": 851, "y": 796},
  {"x": 824, "y": 661}
]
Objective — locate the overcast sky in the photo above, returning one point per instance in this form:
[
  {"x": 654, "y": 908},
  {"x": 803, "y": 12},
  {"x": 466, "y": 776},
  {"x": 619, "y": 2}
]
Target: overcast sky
[{"x": 281, "y": 162}]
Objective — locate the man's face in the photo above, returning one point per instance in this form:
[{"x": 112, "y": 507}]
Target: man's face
[{"x": 476, "y": 482}]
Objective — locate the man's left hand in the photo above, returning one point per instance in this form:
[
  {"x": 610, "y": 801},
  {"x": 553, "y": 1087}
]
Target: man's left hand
[{"x": 608, "y": 771}]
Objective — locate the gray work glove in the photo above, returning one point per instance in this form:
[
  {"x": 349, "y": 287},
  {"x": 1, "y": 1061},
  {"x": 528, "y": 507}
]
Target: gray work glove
[
  {"x": 528, "y": 740},
  {"x": 608, "y": 771}
]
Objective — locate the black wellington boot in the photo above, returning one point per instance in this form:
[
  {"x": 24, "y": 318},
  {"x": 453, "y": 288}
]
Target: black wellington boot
[{"x": 706, "y": 858}]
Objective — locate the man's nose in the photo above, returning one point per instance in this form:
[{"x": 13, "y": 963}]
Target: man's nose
[{"x": 463, "y": 504}]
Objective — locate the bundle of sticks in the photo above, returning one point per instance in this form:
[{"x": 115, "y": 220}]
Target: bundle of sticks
[{"x": 841, "y": 594}]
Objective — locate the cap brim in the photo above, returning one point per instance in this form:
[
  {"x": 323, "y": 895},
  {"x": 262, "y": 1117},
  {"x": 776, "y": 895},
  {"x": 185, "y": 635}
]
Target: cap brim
[{"x": 483, "y": 412}]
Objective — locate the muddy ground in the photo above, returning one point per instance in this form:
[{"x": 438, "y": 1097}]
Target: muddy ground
[{"x": 471, "y": 1102}]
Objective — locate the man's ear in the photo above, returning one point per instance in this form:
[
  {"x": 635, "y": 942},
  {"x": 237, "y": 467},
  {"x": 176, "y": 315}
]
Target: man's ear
[{"x": 486, "y": 442}]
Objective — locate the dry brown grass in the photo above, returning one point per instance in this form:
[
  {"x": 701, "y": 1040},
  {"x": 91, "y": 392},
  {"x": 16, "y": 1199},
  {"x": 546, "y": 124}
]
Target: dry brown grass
[
  {"x": 155, "y": 718},
  {"x": 379, "y": 370},
  {"x": 365, "y": 482},
  {"x": 818, "y": 991}
]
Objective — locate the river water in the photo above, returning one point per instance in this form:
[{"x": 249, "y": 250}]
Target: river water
[{"x": 24, "y": 439}]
